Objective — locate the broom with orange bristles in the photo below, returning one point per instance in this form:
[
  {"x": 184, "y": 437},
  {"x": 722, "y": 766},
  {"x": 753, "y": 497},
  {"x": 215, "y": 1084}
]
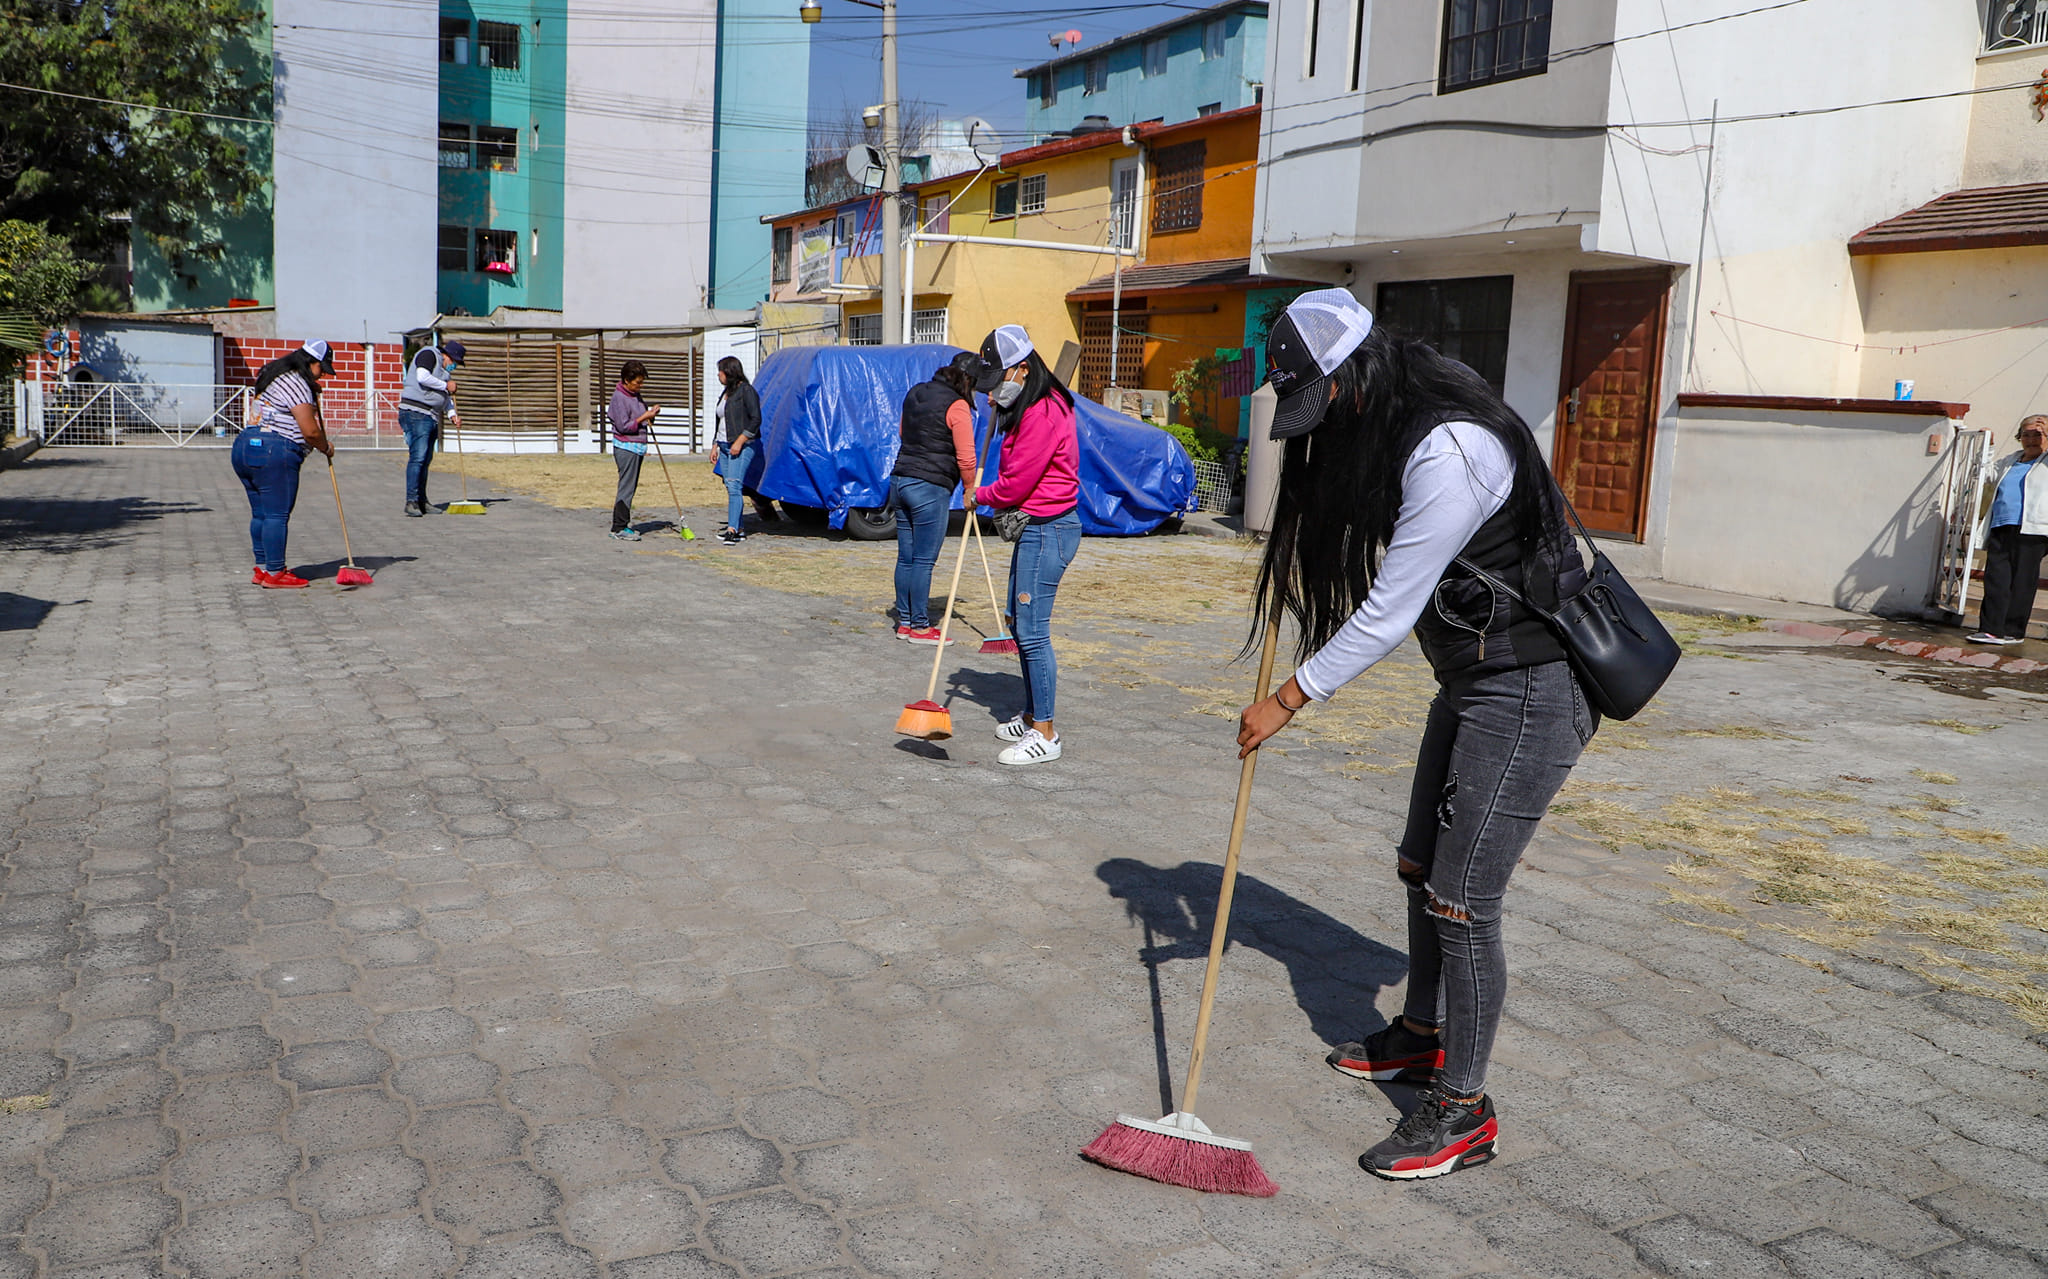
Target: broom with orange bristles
[
  {"x": 928, "y": 719},
  {"x": 1179, "y": 1149}
]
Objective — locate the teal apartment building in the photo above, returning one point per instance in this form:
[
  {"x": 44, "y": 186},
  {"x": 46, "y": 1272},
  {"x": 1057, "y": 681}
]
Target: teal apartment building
[{"x": 1204, "y": 63}]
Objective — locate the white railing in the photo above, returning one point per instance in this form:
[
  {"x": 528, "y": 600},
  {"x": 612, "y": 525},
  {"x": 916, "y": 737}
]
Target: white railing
[
  {"x": 154, "y": 415},
  {"x": 2015, "y": 24}
]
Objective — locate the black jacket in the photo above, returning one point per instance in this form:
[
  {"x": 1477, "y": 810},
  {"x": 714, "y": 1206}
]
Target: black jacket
[
  {"x": 742, "y": 412},
  {"x": 926, "y": 451}
]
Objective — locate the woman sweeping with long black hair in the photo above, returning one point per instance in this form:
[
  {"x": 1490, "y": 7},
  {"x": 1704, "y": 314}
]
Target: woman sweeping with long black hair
[{"x": 1404, "y": 472}]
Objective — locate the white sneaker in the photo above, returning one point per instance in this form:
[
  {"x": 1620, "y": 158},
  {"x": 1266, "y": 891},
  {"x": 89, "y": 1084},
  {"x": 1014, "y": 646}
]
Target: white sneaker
[
  {"x": 1032, "y": 748},
  {"x": 1012, "y": 729},
  {"x": 1983, "y": 637}
]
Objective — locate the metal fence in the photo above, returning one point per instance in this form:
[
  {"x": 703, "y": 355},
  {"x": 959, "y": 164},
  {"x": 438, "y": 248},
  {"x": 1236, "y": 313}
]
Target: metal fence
[
  {"x": 1212, "y": 487},
  {"x": 153, "y": 415}
]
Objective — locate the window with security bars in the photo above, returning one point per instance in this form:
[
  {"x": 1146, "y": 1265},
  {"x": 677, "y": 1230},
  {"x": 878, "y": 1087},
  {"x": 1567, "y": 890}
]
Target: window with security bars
[
  {"x": 455, "y": 149},
  {"x": 1466, "y": 319},
  {"x": 1031, "y": 193},
  {"x": 1487, "y": 41},
  {"x": 864, "y": 330},
  {"x": 1096, "y": 334},
  {"x": 2015, "y": 24},
  {"x": 928, "y": 327},
  {"x": 1094, "y": 76},
  {"x": 497, "y": 149},
  {"x": 1177, "y": 186},
  {"x": 455, "y": 41},
  {"x": 497, "y": 45},
  {"x": 497, "y": 252},
  {"x": 452, "y": 251},
  {"x": 784, "y": 245}
]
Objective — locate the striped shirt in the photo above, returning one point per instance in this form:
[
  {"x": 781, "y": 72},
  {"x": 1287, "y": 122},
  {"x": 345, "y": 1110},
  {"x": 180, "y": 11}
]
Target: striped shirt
[{"x": 275, "y": 406}]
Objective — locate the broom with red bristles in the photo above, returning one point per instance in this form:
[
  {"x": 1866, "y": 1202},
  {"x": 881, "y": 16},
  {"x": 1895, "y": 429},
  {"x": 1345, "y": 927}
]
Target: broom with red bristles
[
  {"x": 1179, "y": 1149},
  {"x": 349, "y": 575},
  {"x": 1004, "y": 643}
]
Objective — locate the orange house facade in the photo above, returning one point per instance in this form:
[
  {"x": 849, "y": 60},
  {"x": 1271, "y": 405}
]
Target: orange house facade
[{"x": 1191, "y": 296}]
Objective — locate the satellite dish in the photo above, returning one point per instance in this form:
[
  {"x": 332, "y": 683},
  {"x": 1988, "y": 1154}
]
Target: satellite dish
[
  {"x": 981, "y": 139},
  {"x": 864, "y": 166}
]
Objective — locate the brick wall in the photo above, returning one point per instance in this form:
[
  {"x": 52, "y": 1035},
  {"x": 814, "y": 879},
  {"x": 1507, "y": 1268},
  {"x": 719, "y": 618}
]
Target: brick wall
[
  {"x": 41, "y": 368},
  {"x": 242, "y": 358}
]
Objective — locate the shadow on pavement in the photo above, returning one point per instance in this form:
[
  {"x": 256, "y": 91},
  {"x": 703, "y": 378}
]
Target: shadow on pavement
[
  {"x": 60, "y": 525},
  {"x": 1337, "y": 972},
  {"x": 23, "y": 612},
  {"x": 328, "y": 568},
  {"x": 1000, "y": 693}
]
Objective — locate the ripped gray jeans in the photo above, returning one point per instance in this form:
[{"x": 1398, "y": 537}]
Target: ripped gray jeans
[{"x": 1494, "y": 753}]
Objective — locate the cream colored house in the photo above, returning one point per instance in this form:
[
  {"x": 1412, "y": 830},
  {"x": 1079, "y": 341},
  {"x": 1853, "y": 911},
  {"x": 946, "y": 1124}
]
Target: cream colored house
[{"x": 1667, "y": 232}]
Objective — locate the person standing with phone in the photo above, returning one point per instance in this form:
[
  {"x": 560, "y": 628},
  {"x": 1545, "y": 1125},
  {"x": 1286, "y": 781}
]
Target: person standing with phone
[
  {"x": 427, "y": 401},
  {"x": 739, "y": 427},
  {"x": 629, "y": 416}
]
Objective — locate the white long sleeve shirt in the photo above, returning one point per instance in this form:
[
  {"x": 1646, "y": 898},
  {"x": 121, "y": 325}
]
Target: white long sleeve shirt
[{"x": 1454, "y": 482}]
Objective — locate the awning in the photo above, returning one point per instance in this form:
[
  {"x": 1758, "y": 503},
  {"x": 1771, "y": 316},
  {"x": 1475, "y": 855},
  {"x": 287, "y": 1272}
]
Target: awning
[
  {"x": 1224, "y": 273},
  {"x": 1981, "y": 218}
]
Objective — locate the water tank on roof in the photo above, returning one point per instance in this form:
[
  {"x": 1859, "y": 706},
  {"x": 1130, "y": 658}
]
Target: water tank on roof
[{"x": 1091, "y": 124}]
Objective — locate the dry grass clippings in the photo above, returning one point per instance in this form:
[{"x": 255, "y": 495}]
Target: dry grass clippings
[{"x": 587, "y": 481}]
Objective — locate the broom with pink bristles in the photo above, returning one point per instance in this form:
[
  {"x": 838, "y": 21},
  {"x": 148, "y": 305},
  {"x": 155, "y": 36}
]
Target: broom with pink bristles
[{"x": 1179, "y": 1149}]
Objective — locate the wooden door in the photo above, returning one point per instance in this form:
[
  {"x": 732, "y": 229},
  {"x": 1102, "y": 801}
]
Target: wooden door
[{"x": 1607, "y": 405}]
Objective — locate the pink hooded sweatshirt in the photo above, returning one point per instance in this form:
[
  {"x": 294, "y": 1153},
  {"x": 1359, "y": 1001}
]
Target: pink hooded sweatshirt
[{"x": 1041, "y": 463}]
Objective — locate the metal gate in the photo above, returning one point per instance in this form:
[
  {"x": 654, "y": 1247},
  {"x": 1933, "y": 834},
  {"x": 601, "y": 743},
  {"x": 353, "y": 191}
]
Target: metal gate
[
  {"x": 152, "y": 415},
  {"x": 1969, "y": 465}
]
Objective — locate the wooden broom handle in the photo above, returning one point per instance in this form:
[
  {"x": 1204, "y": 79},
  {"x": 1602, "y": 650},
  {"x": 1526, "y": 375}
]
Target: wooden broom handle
[
  {"x": 931, "y": 692},
  {"x": 981, "y": 544},
  {"x": 340, "y": 514},
  {"x": 1221, "y": 931}
]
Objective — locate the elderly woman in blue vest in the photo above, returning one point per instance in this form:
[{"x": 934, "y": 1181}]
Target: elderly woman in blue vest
[
  {"x": 1402, "y": 468},
  {"x": 739, "y": 429},
  {"x": 934, "y": 456},
  {"x": 427, "y": 401},
  {"x": 268, "y": 454},
  {"x": 2018, "y": 524}
]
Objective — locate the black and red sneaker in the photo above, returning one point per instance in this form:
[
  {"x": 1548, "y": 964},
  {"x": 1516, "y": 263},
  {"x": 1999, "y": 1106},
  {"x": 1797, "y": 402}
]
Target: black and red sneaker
[
  {"x": 1437, "y": 1138},
  {"x": 1396, "y": 1055}
]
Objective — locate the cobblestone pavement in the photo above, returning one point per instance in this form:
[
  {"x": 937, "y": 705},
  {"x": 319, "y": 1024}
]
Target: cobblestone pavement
[{"x": 559, "y": 908}]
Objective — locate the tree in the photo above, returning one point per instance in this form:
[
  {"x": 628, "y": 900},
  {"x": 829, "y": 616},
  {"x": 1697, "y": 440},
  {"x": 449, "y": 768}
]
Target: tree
[
  {"x": 74, "y": 165},
  {"x": 832, "y": 134},
  {"x": 40, "y": 279}
]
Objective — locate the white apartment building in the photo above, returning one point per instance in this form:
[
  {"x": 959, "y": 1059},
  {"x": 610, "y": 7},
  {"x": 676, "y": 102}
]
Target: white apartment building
[{"x": 1640, "y": 219}]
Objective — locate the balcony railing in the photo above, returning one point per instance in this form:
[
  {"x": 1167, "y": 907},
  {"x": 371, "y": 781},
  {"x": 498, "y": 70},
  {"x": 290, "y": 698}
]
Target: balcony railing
[{"x": 2015, "y": 24}]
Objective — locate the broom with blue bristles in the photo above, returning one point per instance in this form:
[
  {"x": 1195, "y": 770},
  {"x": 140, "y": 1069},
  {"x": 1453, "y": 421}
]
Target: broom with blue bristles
[{"x": 1179, "y": 1149}]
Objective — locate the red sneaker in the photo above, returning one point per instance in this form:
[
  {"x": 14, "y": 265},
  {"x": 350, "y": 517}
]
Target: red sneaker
[
  {"x": 1395, "y": 1055},
  {"x": 1437, "y": 1138},
  {"x": 257, "y": 577},
  {"x": 286, "y": 580},
  {"x": 924, "y": 635}
]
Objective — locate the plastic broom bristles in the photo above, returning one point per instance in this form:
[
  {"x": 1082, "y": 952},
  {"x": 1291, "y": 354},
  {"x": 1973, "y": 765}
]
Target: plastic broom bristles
[
  {"x": 926, "y": 719},
  {"x": 353, "y": 576},
  {"x": 999, "y": 644},
  {"x": 1180, "y": 1161}
]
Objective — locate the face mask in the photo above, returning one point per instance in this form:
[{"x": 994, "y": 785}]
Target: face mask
[{"x": 1006, "y": 394}]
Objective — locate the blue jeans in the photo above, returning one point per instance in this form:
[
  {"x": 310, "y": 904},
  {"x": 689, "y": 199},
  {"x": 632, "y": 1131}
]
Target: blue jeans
[
  {"x": 920, "y": 507},
  {"x": 1036, "y": 568},
  {"x": 733, "y": 469},
  {"x": 421, "y": 433},
  {"x": 268, "y": 466},
  {"x": 1494, "y": 753}
]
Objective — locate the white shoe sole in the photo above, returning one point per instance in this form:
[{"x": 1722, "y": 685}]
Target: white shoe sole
[{"x": 1014, "y": 757}]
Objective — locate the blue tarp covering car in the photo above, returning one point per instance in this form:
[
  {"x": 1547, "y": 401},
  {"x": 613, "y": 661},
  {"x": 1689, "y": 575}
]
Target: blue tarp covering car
[{"x": 829, "y": 426}]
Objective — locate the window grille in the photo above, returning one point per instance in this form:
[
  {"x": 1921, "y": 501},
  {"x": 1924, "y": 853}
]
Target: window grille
[
  {"x": 1031, "y": 193},
  {"x": 454, "y": 146},
  {"x": 453, "y": 249},
  {"x": 1487, "y": 41},
  {"x": 2015, "y": 24},
  {"x": 1096, "y": 334},
  {"x": 1212, "y": 39},
  {"x": 497, "y": 45},
  {"x": 1095, "y": 76},
  {"x": 497, "y": 252},
  {"x": 455, "y": 41},
  {"x": 1465, "y": 319},
  {"x": 864, "y": 330},
  {"x": 1005, "y": 205},
  {"x": 497, "y": 149},
  {"x": 784, "y": 239},
  {"x": 1155, "y": 58},
  {"x": 1177, "y": 186},
  {"x": 928, "y": 326}
]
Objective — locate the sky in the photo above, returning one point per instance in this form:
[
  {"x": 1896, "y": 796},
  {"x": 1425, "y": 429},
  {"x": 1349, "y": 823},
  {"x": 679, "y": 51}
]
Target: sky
[{"x": 959, "y": 56}]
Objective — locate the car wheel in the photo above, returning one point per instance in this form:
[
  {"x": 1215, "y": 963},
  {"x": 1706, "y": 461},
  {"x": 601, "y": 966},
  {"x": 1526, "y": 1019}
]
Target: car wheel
[{"x": 871, "y": 524}]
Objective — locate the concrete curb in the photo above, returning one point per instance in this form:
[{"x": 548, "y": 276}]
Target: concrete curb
[
  {"x": 1926, "y": 651},
  {"x": 19, "y": 453}
]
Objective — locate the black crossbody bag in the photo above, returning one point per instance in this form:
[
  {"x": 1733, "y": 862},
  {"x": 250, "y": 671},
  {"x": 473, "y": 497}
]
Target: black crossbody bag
[{"x": 1619, "y": 650}]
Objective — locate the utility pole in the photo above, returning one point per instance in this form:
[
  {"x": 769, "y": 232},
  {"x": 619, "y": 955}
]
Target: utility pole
[{"x": 895, "y": 316}]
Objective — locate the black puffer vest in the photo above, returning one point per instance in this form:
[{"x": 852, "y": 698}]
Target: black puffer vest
[
  {"x": 1469, "y": 628},
  {"x": 926, "y": 452}
]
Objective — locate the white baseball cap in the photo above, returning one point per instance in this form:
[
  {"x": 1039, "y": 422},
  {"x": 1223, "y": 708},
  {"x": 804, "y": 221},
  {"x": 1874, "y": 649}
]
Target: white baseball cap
[
  {"x": 1005, "y": 348},
  {"x": 1319, "y": 331},
  {"x": 320, "y": 350}
]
